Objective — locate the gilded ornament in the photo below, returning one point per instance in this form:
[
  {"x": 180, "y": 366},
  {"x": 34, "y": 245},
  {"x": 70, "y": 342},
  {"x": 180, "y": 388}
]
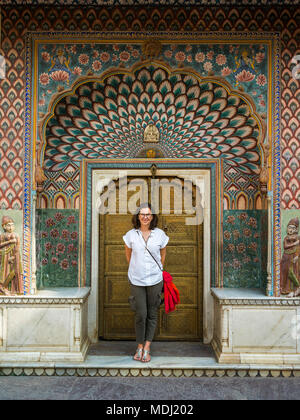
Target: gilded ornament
[
  {"x": 150, "y": 154},
  {"x": 264, "y": 179},
  {"x": 151, "y": 49},
  {"x": 40, "y": 178}
]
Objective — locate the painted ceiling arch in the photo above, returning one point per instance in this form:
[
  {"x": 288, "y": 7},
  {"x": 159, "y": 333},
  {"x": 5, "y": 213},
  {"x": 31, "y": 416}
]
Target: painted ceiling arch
[{"x": 197, "y": 117}]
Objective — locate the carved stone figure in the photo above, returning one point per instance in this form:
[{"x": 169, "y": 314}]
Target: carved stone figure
[
  {"x": 10, "y": 259},
  {"x": 151, "y": 134},
  {"x": 290, "y": 264}
]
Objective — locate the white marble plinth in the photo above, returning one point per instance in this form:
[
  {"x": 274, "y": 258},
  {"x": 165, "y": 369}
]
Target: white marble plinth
[
  {"x": 48, "y": 326},
  {"x": 250, "y": 327}
]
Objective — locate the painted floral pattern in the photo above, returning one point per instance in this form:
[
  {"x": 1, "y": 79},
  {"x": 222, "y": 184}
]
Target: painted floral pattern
[
  {"x": 242, "y": 249},
  {"x": 244, "y": 66},
  {"x": 57, "y": 248}
]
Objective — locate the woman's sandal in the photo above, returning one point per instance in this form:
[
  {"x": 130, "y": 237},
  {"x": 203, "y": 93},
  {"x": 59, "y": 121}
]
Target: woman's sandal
[
  {"x": 138, "y": 354},
  {"x": 144, "y": 358}
]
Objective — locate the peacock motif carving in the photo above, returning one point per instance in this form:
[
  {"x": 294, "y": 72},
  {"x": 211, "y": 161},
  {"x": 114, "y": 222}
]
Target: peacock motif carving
[{"x": 195, "y": 118}]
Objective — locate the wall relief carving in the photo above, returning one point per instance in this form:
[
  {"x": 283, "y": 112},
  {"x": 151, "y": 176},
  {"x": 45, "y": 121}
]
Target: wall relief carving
[{"x": 11, "y": 280}]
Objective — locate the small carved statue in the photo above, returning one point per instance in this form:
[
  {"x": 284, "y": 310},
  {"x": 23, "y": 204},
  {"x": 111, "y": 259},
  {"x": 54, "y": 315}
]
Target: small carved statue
[
  {"x": 40, "y": 178},
  {"x": 10, "y": 259},
  {"x": 264, "y": 179},
  {"x": 151, "y": 134},
  {"x": 290, "y": 264}
]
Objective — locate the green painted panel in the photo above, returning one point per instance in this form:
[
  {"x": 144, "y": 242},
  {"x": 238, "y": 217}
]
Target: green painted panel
[
  {"x": 245, "y": 250},
  {"x": 57, "y": 248}
]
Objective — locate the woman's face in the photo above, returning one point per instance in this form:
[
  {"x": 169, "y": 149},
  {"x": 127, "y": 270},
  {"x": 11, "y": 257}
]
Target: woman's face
[{"x": 145, "y": 217}]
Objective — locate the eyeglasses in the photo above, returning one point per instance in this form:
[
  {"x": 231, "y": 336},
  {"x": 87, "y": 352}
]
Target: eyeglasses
[{"x": 145, "y": 215}]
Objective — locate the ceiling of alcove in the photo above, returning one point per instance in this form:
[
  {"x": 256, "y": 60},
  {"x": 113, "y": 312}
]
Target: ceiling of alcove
[{"x": 196, "y": 118}]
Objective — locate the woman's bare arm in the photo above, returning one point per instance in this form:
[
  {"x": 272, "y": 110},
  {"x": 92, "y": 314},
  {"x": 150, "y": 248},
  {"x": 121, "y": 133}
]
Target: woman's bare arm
[
  {"x": 163, "y": 252},
  {"x": 128, "y": 253}
]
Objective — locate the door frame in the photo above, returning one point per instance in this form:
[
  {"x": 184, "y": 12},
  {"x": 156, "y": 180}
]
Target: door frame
[
  {"x": 104, "y": 239},
  {"x": 94, "y": 178}
]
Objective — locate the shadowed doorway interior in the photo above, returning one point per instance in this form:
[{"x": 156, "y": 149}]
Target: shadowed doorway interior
[{"x": 184, "y": 261}]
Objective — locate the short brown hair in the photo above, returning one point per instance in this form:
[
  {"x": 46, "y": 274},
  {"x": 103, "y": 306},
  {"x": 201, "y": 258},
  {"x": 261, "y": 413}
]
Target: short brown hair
[{"x": 135, "y": 218}]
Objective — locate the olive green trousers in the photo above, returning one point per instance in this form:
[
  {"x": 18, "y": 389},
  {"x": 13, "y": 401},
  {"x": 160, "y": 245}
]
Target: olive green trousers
[{"x": 145, "y": 301}]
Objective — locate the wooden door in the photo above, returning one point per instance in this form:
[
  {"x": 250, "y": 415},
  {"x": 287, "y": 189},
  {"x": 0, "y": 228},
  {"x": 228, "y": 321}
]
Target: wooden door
[{"x": 184, "y": 261}]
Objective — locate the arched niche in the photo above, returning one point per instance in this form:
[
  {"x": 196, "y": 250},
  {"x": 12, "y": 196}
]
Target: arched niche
[{"x": 106, "y": 117}]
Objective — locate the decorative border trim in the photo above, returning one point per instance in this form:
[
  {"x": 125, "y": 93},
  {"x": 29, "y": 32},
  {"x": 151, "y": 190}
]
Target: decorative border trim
[
  {"x": 52, "y": 297},
  {"x": 114, "y": 3},
  {"x": 198, "y": 36},
  {"x": 241, "y": 372},
  {"x": 41, "y": 300},
  {"x": 276, "y": 164},
  {"x": 255, "y": 301},
  {"x": 260, "y": 302},
  {"x": 27, "y": 167}
]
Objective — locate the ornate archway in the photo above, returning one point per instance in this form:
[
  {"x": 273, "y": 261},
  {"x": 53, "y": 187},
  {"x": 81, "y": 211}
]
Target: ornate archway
[
  {"x": 193, "y": 122},
  {"x": 197, "y": 117}
]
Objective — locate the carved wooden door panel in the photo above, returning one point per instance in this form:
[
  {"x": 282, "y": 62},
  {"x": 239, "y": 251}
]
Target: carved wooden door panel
[
  {"x": 183, "y": 261},
  {"x": 116, "y": 319}
]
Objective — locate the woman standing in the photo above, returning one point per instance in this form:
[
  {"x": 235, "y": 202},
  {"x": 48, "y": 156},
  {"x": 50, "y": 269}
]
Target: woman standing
[{"x": 145, "y": 275}]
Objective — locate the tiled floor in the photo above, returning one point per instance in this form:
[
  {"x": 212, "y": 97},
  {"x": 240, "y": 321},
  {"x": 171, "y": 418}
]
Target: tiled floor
[{"x": 133, "y": 391}]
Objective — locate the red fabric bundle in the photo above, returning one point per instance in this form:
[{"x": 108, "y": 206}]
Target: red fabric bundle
[{"x": 171, "y": 294}]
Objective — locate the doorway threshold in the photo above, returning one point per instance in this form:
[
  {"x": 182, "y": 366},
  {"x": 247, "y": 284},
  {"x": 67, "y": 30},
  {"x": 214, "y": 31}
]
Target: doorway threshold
[
  {"x": 168, "y": 358},
  {"x": 170, "y": 349},
  {"x": 167, "y": 355}
]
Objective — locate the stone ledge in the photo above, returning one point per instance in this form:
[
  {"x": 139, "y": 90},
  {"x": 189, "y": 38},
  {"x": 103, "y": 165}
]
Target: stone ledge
[
  {"x": 48, "y": 357},
  {"x": 250, "y": 297},
  {"x": 176, "y": 367},
  {"x": 57, "y": 296}
]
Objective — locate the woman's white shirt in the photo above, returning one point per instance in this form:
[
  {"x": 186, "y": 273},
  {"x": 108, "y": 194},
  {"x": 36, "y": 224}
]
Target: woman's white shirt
[{"x": 143, "y": 270}]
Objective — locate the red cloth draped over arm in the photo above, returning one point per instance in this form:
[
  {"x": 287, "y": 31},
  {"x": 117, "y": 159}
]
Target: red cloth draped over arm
[{"x": 171, "y": 293}]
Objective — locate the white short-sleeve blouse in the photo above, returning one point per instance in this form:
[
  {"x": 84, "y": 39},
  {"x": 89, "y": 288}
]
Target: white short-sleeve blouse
[{"x": 143, "y": 270}]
